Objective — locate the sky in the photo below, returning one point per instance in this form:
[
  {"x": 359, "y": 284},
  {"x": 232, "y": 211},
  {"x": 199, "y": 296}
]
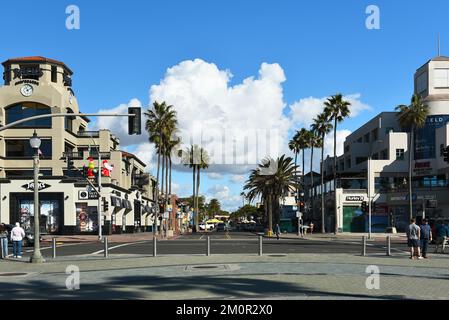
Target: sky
[{"x": 231, "y": 66}]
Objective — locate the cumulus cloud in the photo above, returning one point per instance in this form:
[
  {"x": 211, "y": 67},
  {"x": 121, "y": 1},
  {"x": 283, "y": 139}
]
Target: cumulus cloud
[
  {"x": 237, "y": 178},
  {"x": 305, "y": 110},
  {"x": 214, "y": 175},
  {"x": 228, "y": 201},
  {"x": 226, "y": 120}
]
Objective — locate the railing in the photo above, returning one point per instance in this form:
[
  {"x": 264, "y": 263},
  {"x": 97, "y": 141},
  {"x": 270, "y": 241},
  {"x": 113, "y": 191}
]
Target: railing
[
  {"x": 88, "y": 134},
  {"x": 73, "y": 155},
  {"x": 103, "y": 155}
]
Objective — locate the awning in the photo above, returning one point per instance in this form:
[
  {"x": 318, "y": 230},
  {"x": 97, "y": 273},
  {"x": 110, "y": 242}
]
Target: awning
[
  {"x": 116, "y": 202},
  {"x": 126, "y": 204},
  {"x": 147, "y": 209}
]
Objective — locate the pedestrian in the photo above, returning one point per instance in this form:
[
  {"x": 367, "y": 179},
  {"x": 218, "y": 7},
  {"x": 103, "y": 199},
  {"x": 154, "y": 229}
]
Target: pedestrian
[
  {"x": 442, "y": 234},
  {"x": 311, "y": 227},
  {"x": 278, "y": 231},
  {"x": 413, "y": 236},
  {"x": 4, "y": 240},
  {"x": 426, "y": 237},
  {"x": 17, "y": 235}
]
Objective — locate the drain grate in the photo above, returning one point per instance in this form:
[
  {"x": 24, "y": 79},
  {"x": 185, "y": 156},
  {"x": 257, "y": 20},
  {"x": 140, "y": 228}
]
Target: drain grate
[{"x": 17, "y": 274}]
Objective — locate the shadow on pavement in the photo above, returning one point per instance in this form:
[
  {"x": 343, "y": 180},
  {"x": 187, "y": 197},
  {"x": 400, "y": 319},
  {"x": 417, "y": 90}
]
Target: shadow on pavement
[{"x": 150, "y": 287}]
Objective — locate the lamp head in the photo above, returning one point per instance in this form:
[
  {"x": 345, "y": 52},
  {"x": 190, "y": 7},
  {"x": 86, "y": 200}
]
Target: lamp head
[{"x": 35, "y": 141}]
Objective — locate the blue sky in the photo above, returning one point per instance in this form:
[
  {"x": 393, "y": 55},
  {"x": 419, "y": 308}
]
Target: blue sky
[{"x": 322, "y": 47}]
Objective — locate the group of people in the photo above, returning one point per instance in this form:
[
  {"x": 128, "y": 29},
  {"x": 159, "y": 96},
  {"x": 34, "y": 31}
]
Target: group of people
[
  {"x": 17, "y": 235},
  {"x": 419, "y": 237}
]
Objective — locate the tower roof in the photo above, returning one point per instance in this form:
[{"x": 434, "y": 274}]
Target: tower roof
[{"x": 37, "y": 59}]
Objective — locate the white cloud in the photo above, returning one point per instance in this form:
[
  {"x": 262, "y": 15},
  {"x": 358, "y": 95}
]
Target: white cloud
[
  {"x": 207, "y": 105},
  {"x": 305, "y": 110},
  {"x": 228, "y": 201},
  {"x": 214, "y": 175},
  {"x": 237, "y": 178}
]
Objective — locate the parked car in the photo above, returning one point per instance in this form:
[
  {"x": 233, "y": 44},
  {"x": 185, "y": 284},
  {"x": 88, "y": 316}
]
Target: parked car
[
  {"x": 27, "y": 241},
  {"x": 222, "y": 227},
  {"x": 207, "y": 226}
]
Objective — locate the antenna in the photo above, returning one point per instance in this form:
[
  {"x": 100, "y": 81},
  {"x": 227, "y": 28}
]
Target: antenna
[{"x": 439, "y": 45}]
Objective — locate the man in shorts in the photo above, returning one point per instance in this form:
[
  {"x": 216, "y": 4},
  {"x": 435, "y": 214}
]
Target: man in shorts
[{"x": 413, "y": 237}]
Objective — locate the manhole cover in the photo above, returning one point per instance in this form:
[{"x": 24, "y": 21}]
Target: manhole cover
[{"x": 13, "y": 274}]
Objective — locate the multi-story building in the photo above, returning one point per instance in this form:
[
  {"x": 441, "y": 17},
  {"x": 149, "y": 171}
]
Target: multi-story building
[
  {"x": 375, "y": 165},
  {"x": 38, "y": 86}
]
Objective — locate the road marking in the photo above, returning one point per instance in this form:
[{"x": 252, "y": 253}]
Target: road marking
[
  {"x": 119, "y": 246},
  {"x": 201, "y": 238}
]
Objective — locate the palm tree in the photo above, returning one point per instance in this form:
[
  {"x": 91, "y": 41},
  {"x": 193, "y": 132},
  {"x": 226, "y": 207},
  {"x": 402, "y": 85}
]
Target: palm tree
[
  {"x": 271, "y": 186},
  {"x": 337, "y": 109},
  {"x": 202, "y": 164},
  {"x": 313, "y": 142},
  {"x": 322, "y": 126},
  {"x": 410, "y": 118}
]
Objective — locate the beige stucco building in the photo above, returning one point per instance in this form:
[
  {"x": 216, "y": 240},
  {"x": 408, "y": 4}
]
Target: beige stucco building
[{"x": 37, "y": 86}]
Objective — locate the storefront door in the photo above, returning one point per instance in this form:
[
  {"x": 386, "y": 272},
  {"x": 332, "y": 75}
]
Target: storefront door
[{"x": 353, "y": 219}]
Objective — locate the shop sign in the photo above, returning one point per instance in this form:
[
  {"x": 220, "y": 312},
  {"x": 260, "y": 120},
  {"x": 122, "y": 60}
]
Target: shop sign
[
  {"x": 41, "y": 186},
  {"x": 355, "y": 198},
  {"x": 422, "y": 169}
]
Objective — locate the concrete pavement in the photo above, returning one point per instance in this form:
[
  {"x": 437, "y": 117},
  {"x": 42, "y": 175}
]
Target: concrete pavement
[{"x": 292, "y": 276}]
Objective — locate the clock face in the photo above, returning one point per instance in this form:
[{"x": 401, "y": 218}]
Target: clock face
[{"x": 26, "y": 90}]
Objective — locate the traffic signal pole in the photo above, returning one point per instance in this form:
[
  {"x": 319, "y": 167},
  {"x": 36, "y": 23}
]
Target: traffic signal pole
[{"x": 369, "y": 197}]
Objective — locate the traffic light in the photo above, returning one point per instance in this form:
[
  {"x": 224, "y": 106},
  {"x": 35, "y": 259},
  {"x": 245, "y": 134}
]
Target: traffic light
[
  {"x": 135, "y": 122},
  {"x": 364, "y": 207},
  {"x": 446, "y": 154},
  {"x": 105, "y": 205},
  {"x": 302, "y": 207}
]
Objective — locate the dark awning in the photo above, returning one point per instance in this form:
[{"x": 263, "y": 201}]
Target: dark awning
[
  {"x": 116, "y": 202},
  {"x": 126, "y": 204}
]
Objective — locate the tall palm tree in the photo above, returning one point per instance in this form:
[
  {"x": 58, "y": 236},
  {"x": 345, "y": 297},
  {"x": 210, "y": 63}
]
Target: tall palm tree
[
  {"x": 202, "y": 164},
  {"x": 273, "y": 186},
  {"x": 322, "y": 126},
  {"x": 295, "y": 147},
  {"x": 337, "y": 109},
  {"x": 410, "y": 118},
  {"x": 313, "y": 142}
]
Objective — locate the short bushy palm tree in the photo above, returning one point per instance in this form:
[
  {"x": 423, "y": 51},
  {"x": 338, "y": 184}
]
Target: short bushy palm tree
[{"x": 410, "y": 118}]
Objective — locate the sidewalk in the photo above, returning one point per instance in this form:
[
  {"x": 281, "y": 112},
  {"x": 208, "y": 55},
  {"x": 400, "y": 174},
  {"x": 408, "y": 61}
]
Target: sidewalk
[
  {"x": 115, "y": 238},
  {"x": 227, "y": 277},
  {"x": 345, "y": 236}
]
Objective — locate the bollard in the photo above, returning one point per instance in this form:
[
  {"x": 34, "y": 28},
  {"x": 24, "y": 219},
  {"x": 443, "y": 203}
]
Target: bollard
[
  {"x": 260, "y": 245},
  {"x": 364, "y": 246},
  {"x": 389, "y": 246},
  {"x": 208, "y": 246},
  {"x": 106, "y": 247},
  {"x": 154, "y": 246},
  {"x": 53, "y": 246},
  {"x": 1, "y": 248}
]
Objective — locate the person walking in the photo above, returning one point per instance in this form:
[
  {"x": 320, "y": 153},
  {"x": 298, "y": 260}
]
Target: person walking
[
  {"x": 426, "y": 237},
  {"x": 4, "y": 240},
  {"x": 413, "y": 237},
  {"x": 278, "y": 231},
  {"x": 442, "y": 233},
  {"x": 17, "y": 235}
]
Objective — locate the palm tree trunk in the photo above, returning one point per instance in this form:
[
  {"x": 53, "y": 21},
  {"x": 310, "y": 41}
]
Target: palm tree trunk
[
  {"x": 323, "y": 230},
  {"x": 270, "y": 215},
  {"x": 170, "y": 162},
  {"x": 156, "y": 195},
  {"x": 335, "y": 172},
  {"x": 193, "y": 198},
  {"x": 410, "y": 172},
  {"x": 312, "y": 195},
  {"x": 166, "y": 192},
  {"x": 198, "y": 174}
]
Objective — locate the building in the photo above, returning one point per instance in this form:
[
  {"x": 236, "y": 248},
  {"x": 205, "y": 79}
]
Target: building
[
  {"x": 375, "y": 165},
  {"x": 38, "y": 86}
]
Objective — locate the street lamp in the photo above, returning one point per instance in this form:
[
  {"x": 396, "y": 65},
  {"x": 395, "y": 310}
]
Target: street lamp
[{"x": 35, "y": 144}]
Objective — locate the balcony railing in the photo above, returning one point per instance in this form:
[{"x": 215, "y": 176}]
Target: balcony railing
[
  {"x": 88, "y": 134},
  {"x": 103, "y": 155},
  {"x": 78, "y": 155}
]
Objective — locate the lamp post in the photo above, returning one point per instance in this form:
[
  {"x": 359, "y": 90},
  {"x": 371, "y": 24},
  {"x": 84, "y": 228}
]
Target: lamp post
[{"x": 35, "y": 143}]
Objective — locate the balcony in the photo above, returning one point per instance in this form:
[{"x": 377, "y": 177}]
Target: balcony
[{"x": 73, "y": 155}]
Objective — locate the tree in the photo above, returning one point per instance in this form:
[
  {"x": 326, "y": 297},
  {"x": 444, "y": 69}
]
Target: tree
[
  {"x": 321, "y": 126},
  {"x": 336, "y": 109},
  {"x": 410, "y": 118},
  {"x": 271, "y": 181},
  {"x": 214, "y": 207},
  {"x": 313, "y": 142}
]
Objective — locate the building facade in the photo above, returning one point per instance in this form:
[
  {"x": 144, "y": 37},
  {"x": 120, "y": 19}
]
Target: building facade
[
  {"x": 375, "y": 165},
  {"x": 38, "y": 86}
]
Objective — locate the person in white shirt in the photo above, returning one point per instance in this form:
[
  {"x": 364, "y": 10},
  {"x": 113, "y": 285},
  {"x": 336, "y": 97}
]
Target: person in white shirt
[{"x": 17, "y": 235}]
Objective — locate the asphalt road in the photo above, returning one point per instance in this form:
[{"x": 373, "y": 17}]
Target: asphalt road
[{"x": 221, "y": 243}]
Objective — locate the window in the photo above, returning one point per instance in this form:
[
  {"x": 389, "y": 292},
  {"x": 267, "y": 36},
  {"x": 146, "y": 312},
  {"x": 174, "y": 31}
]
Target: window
[
  {"x": 366, "y": 138},
  {"x": 400, "y": 154},
  {"x": 27, "y": 173},
  {"x": 30, "y": 71},
  {"x": 7, "y": 76},
  {"x": 347, "y": 148},
  {"x": 360, "y": 140},
  {"x": 384, "y": 155},
  {"x": 441, "y": 78},
  {"x": 348, "y": 163},
  {"x": 54, "y": 74},
  {"x": 28, "y": 109},
  {"x": 375, "y": 134},
  {"x": 421, "y": 82},
  {"x": 69, "y": 121},
  {"x": 360, "y": 160},
  {"x": 22, "y": 149}
]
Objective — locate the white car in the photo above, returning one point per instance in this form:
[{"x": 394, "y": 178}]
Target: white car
[{"x": 206, "y": 226}]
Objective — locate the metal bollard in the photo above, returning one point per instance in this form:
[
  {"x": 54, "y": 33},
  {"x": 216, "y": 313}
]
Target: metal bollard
[
  {"x": 154, "y": 246},
  {"x": 106, "y": 247},
  {"x": 389, "y": 246},
  {"x": 53, "y": 246},
  {"x": 208, "y": 246},
  {"x": 260, "y": 245},
  {"x": 364, "y": 246},
  {"x": 1, "y": 248}
]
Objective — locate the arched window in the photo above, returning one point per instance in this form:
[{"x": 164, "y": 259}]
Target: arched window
[
  {"x": 69, "y": 121},
  {"x": 26, "y": 110}
]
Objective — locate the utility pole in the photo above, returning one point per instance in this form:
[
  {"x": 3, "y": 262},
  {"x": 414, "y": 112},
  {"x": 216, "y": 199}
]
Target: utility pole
[
  {"x": 369, "y": 197},
  {"x": 100, "y": 216}
]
